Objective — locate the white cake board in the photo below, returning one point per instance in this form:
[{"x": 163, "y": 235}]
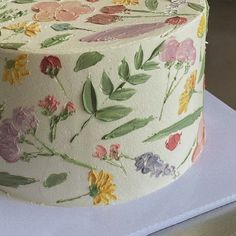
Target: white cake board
[{"x": 206, "y": 186}]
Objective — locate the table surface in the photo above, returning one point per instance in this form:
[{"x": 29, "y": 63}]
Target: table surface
[{"x": 209, "y": 184}]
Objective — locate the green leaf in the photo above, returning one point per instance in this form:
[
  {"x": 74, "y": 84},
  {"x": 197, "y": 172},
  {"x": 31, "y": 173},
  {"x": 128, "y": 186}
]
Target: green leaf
[
  {"x": 128, "y": 127},
  {"x": 202, "y": 70},
  {"x": 89, "y": 97},
  {"x": 106, "y": 84},
  {"x": 122, "y": 94},
  {"x": 13, "y": 46},
  {"x": 57, "y": 39},
  {"x": 150, "y": 65},
  {"x": 124, "y": 70},
  {"x": 196, "y": 7},
  {"x": 138, "y": 79},
  {"x": 138, "y": 58},
  {"x": 14, "y": 181},
  {"x": 62, "y": 27},
  {"x": 87, "y": 60},
  {"x": 55, "y": 179},
  {"x": 185, "y": 122},
  {"x": 23, "y": 1},
  {"x": 156, "y": 51},
  {"x": 151, "y": 4},
  {"x": 112, "y": 113}
]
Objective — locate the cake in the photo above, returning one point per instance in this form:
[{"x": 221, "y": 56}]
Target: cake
[{"x": 101, "y": 101}]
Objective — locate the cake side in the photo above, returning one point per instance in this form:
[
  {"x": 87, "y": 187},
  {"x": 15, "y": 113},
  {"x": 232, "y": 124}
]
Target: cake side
[{"x": 106, "y": 125}]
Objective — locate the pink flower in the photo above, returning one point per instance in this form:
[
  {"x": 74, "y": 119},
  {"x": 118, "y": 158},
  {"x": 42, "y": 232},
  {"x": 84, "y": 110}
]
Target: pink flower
[
  {"x": 103, "y": 19},
  {"x": 49, "y": 104},
  {"x": 24, "y": 119},
  {"x": 201, "y": 139},
  {"x": 113, "y": 9},
  {"x": 51, "y": 66},
  {"x": 7, "y": 130},
  {"x": 9, "y": 150},
  {"x": 70, "y": 108},
  {"x": 169, "y": 49},
  {"x": 114, "y": 151},
  {"x": 173, "y": 141},
  {"x": 186, "y": 51},
  {"x": 176, "y": 20},
  {"x": 100, "y": 152}
]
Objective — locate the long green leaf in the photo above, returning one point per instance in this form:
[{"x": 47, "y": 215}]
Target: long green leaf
[
  {"x": 14, "y": 181},
  {"x": 150, "y": 65},
  {"x": 122, "y": 94},
  {"x": 106, "y": 84},
  {"x": 87, "y": 60},
  {"x": 156, "y": 51},
  {"x": 13, "y": 46},
  {"x": 123, "y": 70},
  {"x": 196, "y": 7},
  {"x": 128, "y": 127},
  {"x": 57, "y": 39},
  {"x": 138, "y": 79},
  {"x": 202, "y": 70},
  {"x": 185, "y": 122},
  {"x": 138, "y": 58},
  {"x": 112, "y": 113},
  {"x": 55, "y": 179},
  {"x": 89, "y": 97}
]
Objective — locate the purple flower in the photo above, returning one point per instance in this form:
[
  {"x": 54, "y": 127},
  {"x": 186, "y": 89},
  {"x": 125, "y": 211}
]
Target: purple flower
[
  {"x": 151, "y": 163},
  {"x": 169, "y": 49},
  {"x": 9, "y": 150},
  {"x": 24, "y": 119},
  {"x": 7, "y": 129},
  {"x": 186, "y": 51}
]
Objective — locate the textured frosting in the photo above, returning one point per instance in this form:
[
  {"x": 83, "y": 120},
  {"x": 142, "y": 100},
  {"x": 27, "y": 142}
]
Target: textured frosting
[{"x": 103, "y": 102}]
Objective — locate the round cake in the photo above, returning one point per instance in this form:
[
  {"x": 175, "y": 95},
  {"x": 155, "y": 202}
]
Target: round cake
[{"x": 101, "y": 101}]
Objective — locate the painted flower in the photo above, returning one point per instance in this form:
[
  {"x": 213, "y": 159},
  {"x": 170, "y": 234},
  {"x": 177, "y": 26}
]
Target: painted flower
[
  {"x": 187, "y": 93},
  {"x": 49, "y": 104},
  {"x": 114, "y": 151},
  {"x": 9, "y": 150},
  {"x": 201, "y": 139},
  {"x": 173, "y": 141},
  {"x": 151, "y": 163},
  {"x": 24, "y": 119},
  {"x": 177, "y": 20},
  {"x": 169, "y": 49},
  {"x": 103, "y": 19},
  {"x": 16, "y": 70},
  {"x": 100, "y": 152},
  {"x": 29, "y": 29},
  {"x": 8, "y": 130},
  {"x": 186, "y": 51},
  {"x": 101, "y": 187},
  {"x": 60, "y": 11},
  {"x": 126, "y": 2},
  {"x": 113, "y": 9},
  {"x": 70, "y": 108},
  {"x": 202, "y": 27},
  {"x": 51, "y": 66}
]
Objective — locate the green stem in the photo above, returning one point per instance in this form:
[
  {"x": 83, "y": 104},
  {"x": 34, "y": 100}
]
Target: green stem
[
  {"x": 72, "y": 199},
  {"x": 78, "y": 28},
  {"x": 173, "y": 29},
  {"x": 61, "y": 86},
  {"x": 82, "y": 127},
  {"x": 116, "y": 165},
  {"x": 127, "y": 157}
]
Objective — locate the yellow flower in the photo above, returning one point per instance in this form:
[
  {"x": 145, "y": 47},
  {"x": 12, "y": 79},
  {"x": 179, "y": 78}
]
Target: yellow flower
[
  {"x": 126, "y": 2},
  {"x": 16, "y": 70},
  {"x": 101, "y": 188},
  {"x": 187, "y": 93},
  {"x": 202, "y": 27},
  {"x": 30, "y": 29}
]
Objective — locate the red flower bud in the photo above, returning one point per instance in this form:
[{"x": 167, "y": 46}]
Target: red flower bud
[
  {"x": 50, "y": 66},
  {"x": 49, "y": 104},
  {"x": 176, "y": 20},
  {"x": 70, "y": 107},
  {"x": 173, "y": 141},
  {"x": 113, "y": 9},
  {"x": 103, "y": 19}
]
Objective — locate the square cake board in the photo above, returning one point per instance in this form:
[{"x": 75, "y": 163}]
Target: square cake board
[{"x": 209, "y": 184}]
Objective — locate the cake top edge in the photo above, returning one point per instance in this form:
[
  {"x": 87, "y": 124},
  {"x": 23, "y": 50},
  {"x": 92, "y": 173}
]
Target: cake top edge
[{"x": 70, "y": 26}]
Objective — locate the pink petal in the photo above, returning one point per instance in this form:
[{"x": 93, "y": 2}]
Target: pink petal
[
  {"x": 63, "y": 15},
  {"x": 46, "y": 6},
  {"x": 44, "y": 16}
]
